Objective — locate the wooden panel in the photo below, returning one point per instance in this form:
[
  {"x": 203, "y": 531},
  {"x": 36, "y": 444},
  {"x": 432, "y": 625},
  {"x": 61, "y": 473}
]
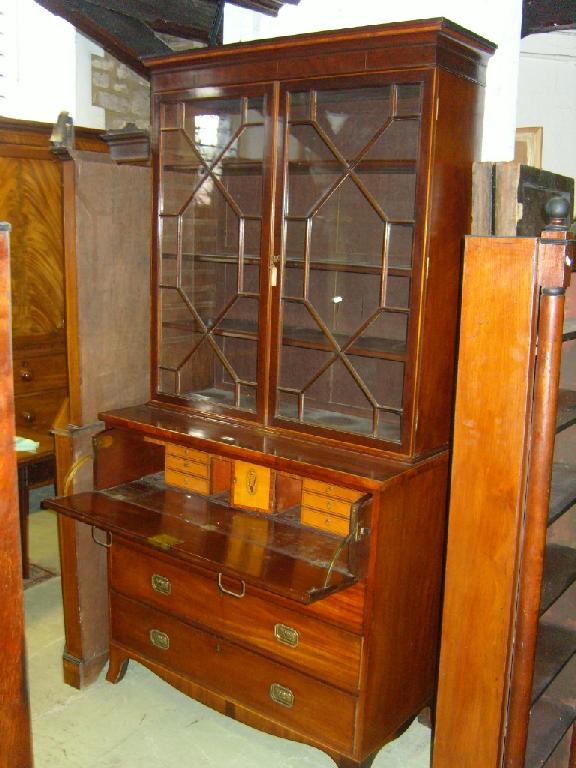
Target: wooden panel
[
  {"x": 489, "y": 457},
  {"x": 110, "y": 247},
  {"x": 405, "y": 575},
  {"x": 30, "y": 198},
  {"x": 251, "y": 486},
  {"x": 450, "y": 192},
  {"x": 15, "y": 735},
  {"x": 319, "y": 710},
  {"x": 250, "y": 621}
]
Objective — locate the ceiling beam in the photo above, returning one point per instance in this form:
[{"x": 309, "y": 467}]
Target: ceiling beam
[{"x": 547, "y": 16}]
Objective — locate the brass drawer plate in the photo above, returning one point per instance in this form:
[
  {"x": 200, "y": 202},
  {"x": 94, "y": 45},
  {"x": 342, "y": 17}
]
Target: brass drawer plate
[
  {"x": 286, "y": 635},
  {"x": 159, "y": 639},
  {"x": 282, "y": 695}
]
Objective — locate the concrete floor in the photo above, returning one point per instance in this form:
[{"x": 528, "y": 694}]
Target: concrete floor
[{"x": 142, "y": 722}]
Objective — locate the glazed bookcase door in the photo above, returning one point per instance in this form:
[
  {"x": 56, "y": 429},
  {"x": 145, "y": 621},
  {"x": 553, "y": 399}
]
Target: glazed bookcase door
[
  {"x": 351, "y": 242},
  {"x": 213, "y": 177}
]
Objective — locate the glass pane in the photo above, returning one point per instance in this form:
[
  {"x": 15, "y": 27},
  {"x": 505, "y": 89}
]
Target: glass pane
[
  {"x": 211, "y": 160},
  {"x": 352, "y": 160}
]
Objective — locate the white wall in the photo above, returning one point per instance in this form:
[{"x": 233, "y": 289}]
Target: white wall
[
  {"x": 547, "y": 96},
  {"x": 43, "y": 63},
  {"x": 497, "y": 20}
]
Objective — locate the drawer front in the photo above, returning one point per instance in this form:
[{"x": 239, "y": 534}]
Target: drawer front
[
  {"x": 251, "y": 486},
  {"x": 329, "y": 489},
  {"x": 304, "y": 642},
  {"x": 187, "y": 453},
  {"x": 187, "y": 482},
  {"x": 33, "y": 374},
  {"x": 188, "y": 466},
  {"x": 280, "y": 693},
  {"x": 340, "y": 526},
  {"x": 327, "y": 504},
  {"x": 39, "y": 410}
]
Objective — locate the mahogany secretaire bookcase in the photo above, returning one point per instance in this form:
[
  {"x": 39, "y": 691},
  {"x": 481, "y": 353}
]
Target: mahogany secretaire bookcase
[{"x": 275, "y": 515}]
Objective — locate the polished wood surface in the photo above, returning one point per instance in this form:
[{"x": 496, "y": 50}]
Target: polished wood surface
[
  {"x": 15, "y": 733},
  {"x": 404, "y": 378},
  {"x": 194, "y": 596},
  {"x": 371, "y": 448},
  {"x": 508, "y": 663},
  {"x": 489, "y": 448},
  {"x": 106, "y": 250},
  {"x": 547, "y": 379}
]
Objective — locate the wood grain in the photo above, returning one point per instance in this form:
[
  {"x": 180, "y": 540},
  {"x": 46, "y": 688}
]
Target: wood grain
[
  {"x": 15, "y": 733},
  {"x": 493, "y": 403}
]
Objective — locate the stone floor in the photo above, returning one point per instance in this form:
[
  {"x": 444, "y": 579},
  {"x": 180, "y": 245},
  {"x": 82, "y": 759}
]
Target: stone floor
[{"x": 143, "y": 722}]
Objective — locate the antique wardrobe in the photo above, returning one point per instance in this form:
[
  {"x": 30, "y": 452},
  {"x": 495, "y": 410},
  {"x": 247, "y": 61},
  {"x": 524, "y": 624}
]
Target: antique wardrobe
[{"x": 274, "y": 516}]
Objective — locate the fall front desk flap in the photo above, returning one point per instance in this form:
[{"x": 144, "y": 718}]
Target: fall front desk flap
[{"x": 275, "y": 552}]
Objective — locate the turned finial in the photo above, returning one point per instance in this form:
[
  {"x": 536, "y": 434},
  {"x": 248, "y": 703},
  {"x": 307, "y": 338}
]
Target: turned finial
[{"x": 557, "y": 209}]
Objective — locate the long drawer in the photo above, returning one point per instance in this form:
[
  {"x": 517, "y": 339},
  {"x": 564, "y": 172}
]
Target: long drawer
[
  {"x": 289, "y": 697},
  {"x": 304, "y": 642}
]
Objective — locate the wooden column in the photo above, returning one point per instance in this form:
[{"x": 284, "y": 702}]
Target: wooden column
[{"x": 15, "y": 733}]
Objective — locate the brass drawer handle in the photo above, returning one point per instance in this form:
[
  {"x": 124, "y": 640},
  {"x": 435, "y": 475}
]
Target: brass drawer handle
[
  {"x": 286, "y": 635},
  {"x": 282, "y": 695},
  {"x": 230, "y": 592},
  {"x": 161, "y": 584},
  {"x": 159, "y": 639}
]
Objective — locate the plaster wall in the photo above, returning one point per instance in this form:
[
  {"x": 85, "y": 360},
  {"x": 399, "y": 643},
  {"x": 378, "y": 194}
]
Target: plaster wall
[
  {"x": 497, "y": 20},
  {"x": 547, "y": 96},
  {"x": 44, "y": 66}
]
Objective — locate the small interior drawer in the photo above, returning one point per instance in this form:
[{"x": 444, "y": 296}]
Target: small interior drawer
[
  {"x": 329, "y": 504},
  {"x": 187, "y": 453},
  {"x": 187, "y": 466},
  {"x": 40, "y": 372},
  {"x": 187, "y": 482},
  {"x": 329, "y": 489},
  {"x": 338, "y": 525}
]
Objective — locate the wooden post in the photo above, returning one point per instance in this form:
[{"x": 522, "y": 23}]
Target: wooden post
[{"x": 15, "y": 732}]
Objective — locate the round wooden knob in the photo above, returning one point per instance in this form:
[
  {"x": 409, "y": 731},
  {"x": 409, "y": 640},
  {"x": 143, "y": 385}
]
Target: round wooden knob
[
  {"x": 28, "y": 417},
  {"x": 25, "y": 372},
  {"x": 557, "y": 210}
]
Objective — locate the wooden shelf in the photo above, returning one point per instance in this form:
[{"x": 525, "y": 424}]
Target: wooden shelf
[
  {"x": 304, "y": 338},
  {"x": 328, "y": 265},
  {"x": 399, "y": 165},
  {"x": 559, "y": 573},
  {"x": 569, "y": 331},
  {"x": 562, "y": 490},
  {"x": 554, "y": 649},
  {"x": 549, "y": 722},
  {"x": 359, "y": 268},
  {"x": 566, "y": 409}
]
